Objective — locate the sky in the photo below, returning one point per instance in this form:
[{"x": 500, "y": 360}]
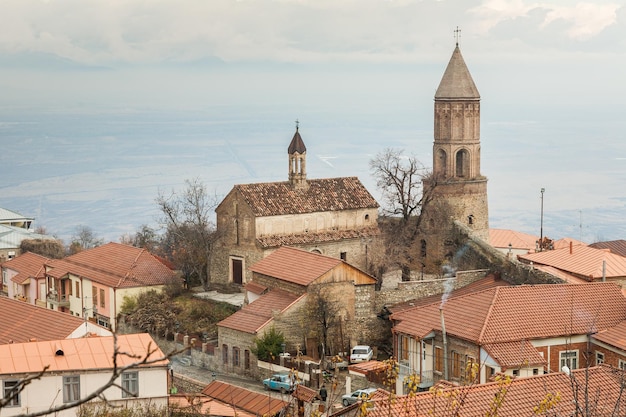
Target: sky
[{"x": 552, "y": 69}]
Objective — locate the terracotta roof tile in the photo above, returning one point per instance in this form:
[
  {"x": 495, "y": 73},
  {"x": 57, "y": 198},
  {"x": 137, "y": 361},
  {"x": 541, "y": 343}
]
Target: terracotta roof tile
[
  {"x": 91, "y": 353},
  {"x": 254, "y": 316},
  {"x": 272, "y": 241},
  {"x": 253, "y": 402},
  {"x": 305, "y": 394},
  {"x": 521, "y": 398},
  {"x": 115, "y": 265},
  {"x": 518, "y": 313},
  {"x": 614, "y": 336},
  {"x": 255, "y": 288},
  {"x": 583, "y": 261},
  {"x": 22, "y": 322},
  {"x": 280, "y": 264},
  {"x": 27, "y": 265},
  {"x": 326, "y": 194},
  {"x": 193, "y": 403},
  {"x": 515, "y": 354}
]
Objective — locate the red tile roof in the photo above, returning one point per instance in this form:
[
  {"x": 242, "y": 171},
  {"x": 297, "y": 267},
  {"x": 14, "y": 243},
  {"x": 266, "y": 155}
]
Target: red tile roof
[
  {"x": 254, "y": 316},
  {"x": 604, "y": 384},
  {"x": 326, "y": 194},
  {"x": 22, "y": 322},
  {"x": 280, "y": 264},
  {"x": 115, "y": 265},
  {"x": 583, "y": 261},
  {"x": 27, "y": 265},
  {"x": 512, "y": 354},
  {"x": 91, "y": 353},
  {"x": 253, "y": 402},
  {"x": 614, "y": 336},
  {"x": 272, "y": 241},
  {"x": 506, "y": 314},
  {"x": 305, "y": 394}
]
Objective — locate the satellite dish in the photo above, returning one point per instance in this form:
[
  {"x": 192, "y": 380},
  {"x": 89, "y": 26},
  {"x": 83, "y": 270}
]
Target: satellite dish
[{"x": 565, "y": 370}]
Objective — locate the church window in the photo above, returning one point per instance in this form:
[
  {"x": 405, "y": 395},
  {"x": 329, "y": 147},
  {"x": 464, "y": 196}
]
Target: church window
[
  {"x": 470, "y": 219},
  {"x": 442, "y": 162},
  {"x": 367, "y": 217},
  {"x": 343, "y": 256},
  {"x": 462, "y": 163}
]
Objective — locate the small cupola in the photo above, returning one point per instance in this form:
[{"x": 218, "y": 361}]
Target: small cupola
[{"x": 297, "y": 160}]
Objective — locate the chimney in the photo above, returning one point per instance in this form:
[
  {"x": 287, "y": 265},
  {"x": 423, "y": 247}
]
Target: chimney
[
  {"x": 445, "y": 345},
  {"x": 58, "y": 350},
  {"x": 571, "y": 247}
]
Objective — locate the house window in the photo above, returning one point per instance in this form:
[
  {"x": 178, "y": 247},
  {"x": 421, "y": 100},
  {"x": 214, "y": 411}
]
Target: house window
[
  {"x": 235, "y": 356},
  {"x": 102, "y": 297},
  {"x": 515, "y": 372},
  {"x": 456, "y": 364},
  {"x": 130, "y": 384},
  {"x": 622, "y": 365},
  {"x": 367, "y": 217},
  {"x": 78, "y": 289},
  {"x": 404, "y": 348},
  {"x": 69, "y": 285},
  {"x": 438, "y": 359},
  {"x": 225, "y": 354},
  {"x": 246, "y": 359},
  {"x": 71, "y": 388},
  {"x": 471, "y": 368},
  {"x": 9, "y": 390},
  {"x": 535, "y": 371},
  {"x": 94, "y": 295},
  {"x": 344, "y": 256},
  {"x": 569, "y": 358},
  {"x": 599, "y": 358}
]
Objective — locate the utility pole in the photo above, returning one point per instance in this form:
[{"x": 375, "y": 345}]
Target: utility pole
[{"x": 541, "y": 229}]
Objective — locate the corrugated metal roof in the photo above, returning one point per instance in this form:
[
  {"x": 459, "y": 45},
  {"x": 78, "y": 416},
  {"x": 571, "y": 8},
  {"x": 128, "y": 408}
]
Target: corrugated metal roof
[
  {"x": 253, "y": 402},
  {"x": 91, "y": 353},
  {"x": 500, "y": 238},
  {"x": 581, "y": 260},
  {"x": 617, "y": 247}
]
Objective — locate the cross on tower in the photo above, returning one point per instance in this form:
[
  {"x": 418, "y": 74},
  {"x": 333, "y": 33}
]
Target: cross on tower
[
  {"x": 297, "y": 124},
  {"x": 457, "y": 35}
]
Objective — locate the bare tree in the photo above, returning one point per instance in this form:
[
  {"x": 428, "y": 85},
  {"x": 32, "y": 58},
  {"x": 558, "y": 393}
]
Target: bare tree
[
  {"x": 190, "y": 232},
  {"x": 145, "y": 237},
  {"x": 407, "y": 188},
  {"x": 324, "y": 315},
  {"x": 84, "y": 238}
]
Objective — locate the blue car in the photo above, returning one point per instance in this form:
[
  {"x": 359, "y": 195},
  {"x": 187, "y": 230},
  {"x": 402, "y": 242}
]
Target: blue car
[{"x": 281, "y": 382}]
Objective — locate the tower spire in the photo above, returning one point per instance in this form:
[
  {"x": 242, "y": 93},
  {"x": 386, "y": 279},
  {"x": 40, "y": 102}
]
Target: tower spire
[{"x": 297, "y": 160}]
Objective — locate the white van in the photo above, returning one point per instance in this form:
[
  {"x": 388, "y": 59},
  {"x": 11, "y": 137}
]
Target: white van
[{"x": 361, "y": 353}]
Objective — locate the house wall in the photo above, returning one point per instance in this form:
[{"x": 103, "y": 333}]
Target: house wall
[
  {"x": 550, "y": 349},
  {"x": 229, "y": 338},
  {"x": 612, "y": 355},
  {"x": 41, "y": 394}
]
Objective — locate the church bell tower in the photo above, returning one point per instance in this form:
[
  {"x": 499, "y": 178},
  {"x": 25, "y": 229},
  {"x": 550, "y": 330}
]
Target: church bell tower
[{"x": 456, "y": 149}]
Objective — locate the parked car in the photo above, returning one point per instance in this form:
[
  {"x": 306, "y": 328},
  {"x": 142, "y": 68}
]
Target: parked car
[
  {"x": 281, "y": 382},
  {"x": 361, "y": 353},
  {"x": 358, "y": 395}
]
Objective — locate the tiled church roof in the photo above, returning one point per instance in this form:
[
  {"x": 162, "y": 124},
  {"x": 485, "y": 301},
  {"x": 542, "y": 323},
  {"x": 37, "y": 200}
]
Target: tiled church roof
[{"x": 326, "y": 194}]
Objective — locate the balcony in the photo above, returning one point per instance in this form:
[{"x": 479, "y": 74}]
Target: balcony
[
  {"x": 59, "y": 300},
  {"x": 426, "y": 378}
]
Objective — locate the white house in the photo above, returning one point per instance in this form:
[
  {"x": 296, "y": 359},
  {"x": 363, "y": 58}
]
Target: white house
[{"x": 77, "y": 368}]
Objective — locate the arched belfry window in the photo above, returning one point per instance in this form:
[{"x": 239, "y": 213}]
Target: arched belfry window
[
  {"x": 470, "y": 219},
  {"x": 442, "y": 162},
  {"x": 462, "y": 163}
]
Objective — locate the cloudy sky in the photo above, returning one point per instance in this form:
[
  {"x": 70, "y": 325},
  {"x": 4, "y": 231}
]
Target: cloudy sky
[
  {"x": 560, "y": 48},
  {"x": 550, "y": 74}
]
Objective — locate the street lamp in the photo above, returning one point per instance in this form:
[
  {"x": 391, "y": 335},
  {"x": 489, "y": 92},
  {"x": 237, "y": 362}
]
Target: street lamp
[{"x": 543, "y": 190}]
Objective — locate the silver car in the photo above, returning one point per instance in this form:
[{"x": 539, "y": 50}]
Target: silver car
[{"x": 358, "y": 395}]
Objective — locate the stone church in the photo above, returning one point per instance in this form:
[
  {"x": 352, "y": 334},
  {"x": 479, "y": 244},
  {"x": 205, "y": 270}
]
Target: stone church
[
  {"x": 335, "y": 217},
  {"x": 461, "y": 190}
]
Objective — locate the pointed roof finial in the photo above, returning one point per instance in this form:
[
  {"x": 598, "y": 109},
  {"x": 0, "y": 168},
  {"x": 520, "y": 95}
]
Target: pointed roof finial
[
  {"x": 297, "y": 124},
  {"x": 457, "y": 35}
]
